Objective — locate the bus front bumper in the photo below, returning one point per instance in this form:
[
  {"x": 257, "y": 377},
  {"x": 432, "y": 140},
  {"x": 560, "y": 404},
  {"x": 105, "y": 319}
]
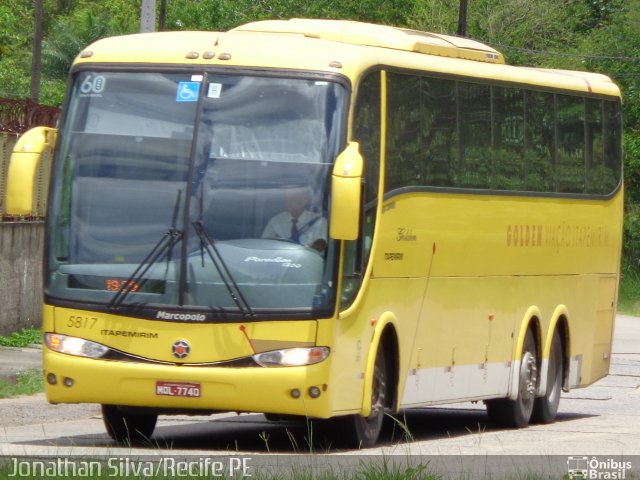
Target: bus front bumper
[{"x": 284, "y": 390}]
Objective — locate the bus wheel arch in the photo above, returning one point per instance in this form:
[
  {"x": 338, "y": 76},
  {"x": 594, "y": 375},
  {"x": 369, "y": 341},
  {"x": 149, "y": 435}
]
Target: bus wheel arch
[
  {"x": 516, "y": 410},
  {"x": 381, "y": 389},
  {"x": 530, "y": 326}
]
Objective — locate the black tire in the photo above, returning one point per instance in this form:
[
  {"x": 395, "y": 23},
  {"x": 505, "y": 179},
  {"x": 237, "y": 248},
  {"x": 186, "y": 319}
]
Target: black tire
[
  {"x": 356, "y": 431},
  {"x": 517, "y": 413},
  {"x": 545, "y": 408},
  {"x": 125, "y": 427}
]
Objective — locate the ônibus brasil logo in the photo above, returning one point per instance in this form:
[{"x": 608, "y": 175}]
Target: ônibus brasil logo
[{"x": 597, "y": 469}]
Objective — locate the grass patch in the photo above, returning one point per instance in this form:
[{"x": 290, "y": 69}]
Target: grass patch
[
  {"x": 27, "y": 382},
  {"x": 629, "y": 293},
  {"x": 23, "y": 338}
]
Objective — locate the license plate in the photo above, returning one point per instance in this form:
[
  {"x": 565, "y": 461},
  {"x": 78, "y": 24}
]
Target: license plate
[{"x": 178, "y": 389}]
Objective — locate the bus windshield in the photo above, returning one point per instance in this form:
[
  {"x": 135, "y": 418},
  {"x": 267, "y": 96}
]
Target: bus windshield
[{"x": 198, "y": 190}]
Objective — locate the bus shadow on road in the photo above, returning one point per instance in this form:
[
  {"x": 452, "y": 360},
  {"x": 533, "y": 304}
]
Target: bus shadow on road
[
  {"x": 437, "y": 423},
  {"x": 253, "y": 433}
]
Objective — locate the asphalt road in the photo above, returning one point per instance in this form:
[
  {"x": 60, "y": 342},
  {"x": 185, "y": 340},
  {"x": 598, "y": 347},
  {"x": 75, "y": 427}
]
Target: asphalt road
[{"x": 600, "y": 421}]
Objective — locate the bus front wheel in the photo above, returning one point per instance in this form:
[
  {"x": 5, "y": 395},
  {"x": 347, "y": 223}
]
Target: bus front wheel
[
  {"x": 127, "y": 427},
  {"x": 517, "y": 413},
  {"x": 357, "y": 431}
]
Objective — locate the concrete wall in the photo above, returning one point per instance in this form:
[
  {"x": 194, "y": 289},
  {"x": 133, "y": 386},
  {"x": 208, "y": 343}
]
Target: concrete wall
[{"x": 21, "y": 246}]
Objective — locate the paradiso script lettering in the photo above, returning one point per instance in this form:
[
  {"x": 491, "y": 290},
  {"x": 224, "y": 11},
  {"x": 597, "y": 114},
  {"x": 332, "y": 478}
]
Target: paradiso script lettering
[{"x": 285, "y": 262}]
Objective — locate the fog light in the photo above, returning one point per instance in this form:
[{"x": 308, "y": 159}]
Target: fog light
[
  {"x": 295, "y": 393},
  {"x": 68, "y": 382},
  {"x": 314, "y": 392},
  {"x": 52, "y": 379}
]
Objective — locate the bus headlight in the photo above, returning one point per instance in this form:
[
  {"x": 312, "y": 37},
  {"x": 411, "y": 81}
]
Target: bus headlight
[
  {"x": 74, "y": 346},
  {"x": 292, "y": 357}
]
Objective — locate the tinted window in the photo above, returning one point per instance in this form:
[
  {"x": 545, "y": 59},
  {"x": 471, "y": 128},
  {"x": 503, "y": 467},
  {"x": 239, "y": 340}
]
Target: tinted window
[{"x": 459, "y": 134}]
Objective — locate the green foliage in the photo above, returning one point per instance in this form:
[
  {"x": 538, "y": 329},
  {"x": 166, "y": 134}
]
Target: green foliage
[
  {"x": 223, "y": 15},
  {"x": 15, "y": 44},
  {"x": 438, "y": 16},
  {"x": 27, "y": 382},
  {"x": 629, "y": 296},
  {"x": 632, "y": 167},
  {"x": 68, "y": 26},
  {"x": 23, "y": 338},
  {"x": 14, "y": 82},
  {"x": 14, "y": 15},
  {"x": 631, "y": 244},
  {"x": 69, "y": 35},
  {"x": 600, "y": 13}
]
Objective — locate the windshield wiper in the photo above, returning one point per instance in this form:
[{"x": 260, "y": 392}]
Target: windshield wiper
[
  {"x": 137, "y": 280},
  {"x": 166, "y": 243},
  {"x": 207, "y": 243}
]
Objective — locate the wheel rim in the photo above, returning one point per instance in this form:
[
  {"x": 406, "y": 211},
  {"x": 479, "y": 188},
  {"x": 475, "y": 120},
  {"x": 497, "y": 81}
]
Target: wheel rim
[
  {"x": 377, "y": 397},
  {"x": 528, "y": 376},
  {"x": 369, "y": 427}
]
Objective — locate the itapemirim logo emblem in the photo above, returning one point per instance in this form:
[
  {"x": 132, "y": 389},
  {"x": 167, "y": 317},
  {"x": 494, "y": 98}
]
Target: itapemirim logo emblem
[
  {"x": 181, "y": 349},
  {"x": 594, "y": 468}
]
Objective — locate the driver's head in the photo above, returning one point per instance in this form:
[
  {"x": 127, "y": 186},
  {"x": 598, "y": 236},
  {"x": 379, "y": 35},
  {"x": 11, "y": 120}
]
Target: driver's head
[{"x": 296, "y": 201}]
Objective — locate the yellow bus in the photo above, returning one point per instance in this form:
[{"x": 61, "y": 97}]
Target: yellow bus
[{"x": 325, "y": 219}]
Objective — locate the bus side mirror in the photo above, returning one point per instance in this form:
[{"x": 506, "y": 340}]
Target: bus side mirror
[
  {"x": 29, "y": 169},
  {"x": 346, "y": 188}
]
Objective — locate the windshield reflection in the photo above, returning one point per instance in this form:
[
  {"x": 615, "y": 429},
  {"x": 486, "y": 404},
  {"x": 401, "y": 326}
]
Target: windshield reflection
[{"x": 255, "y": 173}]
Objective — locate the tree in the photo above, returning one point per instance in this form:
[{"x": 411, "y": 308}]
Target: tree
[{"x": 222, "y": 15}]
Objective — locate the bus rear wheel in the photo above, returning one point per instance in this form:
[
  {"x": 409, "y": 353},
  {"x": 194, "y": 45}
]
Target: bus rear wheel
[
  {"x": 517, "y": 413},
  {"x": 126, "y": 427},
  {"x": 545, "y": 408}
]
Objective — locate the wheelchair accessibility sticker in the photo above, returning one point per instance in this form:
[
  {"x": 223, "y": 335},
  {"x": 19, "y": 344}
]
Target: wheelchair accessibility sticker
[{"x": 188, "y": 92}]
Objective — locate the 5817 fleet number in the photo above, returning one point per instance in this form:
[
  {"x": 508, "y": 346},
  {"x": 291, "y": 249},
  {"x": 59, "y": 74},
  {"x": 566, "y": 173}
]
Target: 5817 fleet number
[{"x": 81, "y": 322}]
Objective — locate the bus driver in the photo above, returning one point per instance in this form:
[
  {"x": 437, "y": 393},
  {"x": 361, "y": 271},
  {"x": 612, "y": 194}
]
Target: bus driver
[{"x": 297, "y": 223}]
